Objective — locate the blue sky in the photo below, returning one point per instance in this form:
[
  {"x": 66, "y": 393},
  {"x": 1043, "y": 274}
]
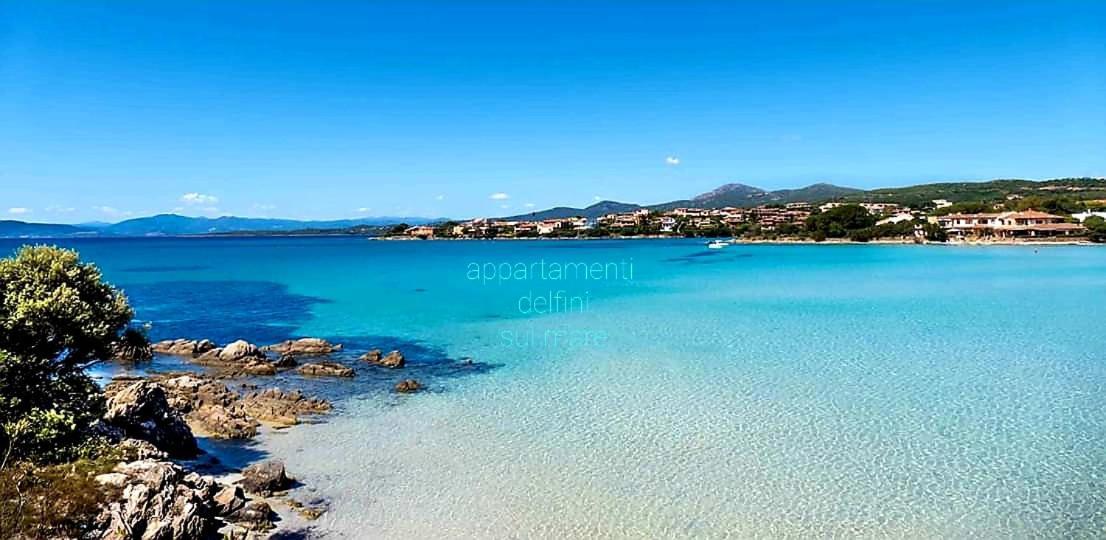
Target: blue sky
[{"x": 334, "y": 109}]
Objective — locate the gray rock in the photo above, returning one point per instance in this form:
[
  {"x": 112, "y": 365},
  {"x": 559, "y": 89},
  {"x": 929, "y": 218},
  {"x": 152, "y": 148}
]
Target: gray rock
[
  {"x": 265, "y": 478},
  {"x": 304, "y": 347},
  {"x": 392, "y": 360},
  {"x": 408, "y": 386},
  {"x": 140, "y": 411},
  {"x": 325, "y": 369}
]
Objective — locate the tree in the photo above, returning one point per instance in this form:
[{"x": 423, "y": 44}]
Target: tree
[
  {"x": 56, "y": 314},
  {"x": 838, "y": 222},
  {"x": 934, "y": 232},
  {"x": 1096, "y": 227}
]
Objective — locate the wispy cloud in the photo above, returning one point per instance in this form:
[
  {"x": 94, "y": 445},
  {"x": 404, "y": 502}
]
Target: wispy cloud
[
  {"x": 363, "y": 209},
  {"x": 111, "y": 211},
  {"x": 499, "y": 196},
  {"x": 529, "y": 205},
  {"x": 672, "y": 160},
  {"x": 198, "y": 199},
  {"x": 55, "y": 209},
  {"x": 19, "y": 211},
  {"x": 439, "y": 198},
  {"x": 597, "y": 198}
]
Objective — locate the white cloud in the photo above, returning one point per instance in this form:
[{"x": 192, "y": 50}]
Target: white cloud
[
  {"x": 55, "y": 209},
  {"x": 504, "y": 206},
  {"x": 439, "y": 198},
  {"x": 263, "y": 207},
  {"x": 597, "y": 198},
  {"x": 19, "y": 210},
  {"x": 529, "y": 205},
  {"x": 198, "y": 198},
  {"x": 672, "y": 160},
  {"x": 499, "y": 196},
  {"x": 364, "y": 209},
  {"x": 111, "y": 211}
]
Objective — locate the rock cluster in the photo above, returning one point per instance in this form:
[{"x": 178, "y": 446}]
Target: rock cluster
[
  {"x": 303, "y": 347},
  {"x": 408, "y": 386},
  {"x": 392, "y": 360},
  {"x": 162, "y": 501},
  {"x": 280, "y": 407},
  {"x": 140, "y": 410},
  {"x": 325, "y": 369},
  {"x": 183, "y": 347},
  {"x": 212, "y": 407}
]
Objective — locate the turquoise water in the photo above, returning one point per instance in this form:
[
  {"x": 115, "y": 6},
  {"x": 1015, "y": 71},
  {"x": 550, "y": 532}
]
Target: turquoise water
[{"x": 755, "y": 391}]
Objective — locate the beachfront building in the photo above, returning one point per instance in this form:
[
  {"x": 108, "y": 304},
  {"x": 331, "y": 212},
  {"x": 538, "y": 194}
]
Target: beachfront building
[
  {"x": 421, "y": 231},
  {"x": 1028, "y": 223}
]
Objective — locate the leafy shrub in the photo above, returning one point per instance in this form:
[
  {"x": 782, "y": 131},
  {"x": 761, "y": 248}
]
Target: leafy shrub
[{"x": 56, "y": 313}]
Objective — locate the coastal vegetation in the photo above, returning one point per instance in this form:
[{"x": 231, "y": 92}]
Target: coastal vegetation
[{"x": 56, "y": 314}]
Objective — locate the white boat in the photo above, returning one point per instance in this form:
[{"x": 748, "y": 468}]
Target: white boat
[{"x": 716, "y": 244}]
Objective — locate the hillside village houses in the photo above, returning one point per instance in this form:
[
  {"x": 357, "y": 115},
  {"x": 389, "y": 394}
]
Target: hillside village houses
[
  {"x": 678, "y": 220},
  {"x": 1003, "y": 225}
]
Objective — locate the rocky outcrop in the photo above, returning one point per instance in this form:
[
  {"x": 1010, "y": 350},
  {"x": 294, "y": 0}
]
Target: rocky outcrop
[
  {"x": 265, "y": 478},
  {"x": 183, "y": 347},
  {"x": 210, "y": 406},
  {"x": 408, "y": 386},
  {"x": 325, "y": 369},
  {"x": 304, "y": 347},
  {"x": 140, "y": 410},
  {"x": 392, "y": 360},
  {"x": 214, "y": 409},
  {"x": 234, "y": 353},
  {"x": 162, "y": 501},
  {"x": 281, "y": 408},
  {"x": 159, "y": 501}
]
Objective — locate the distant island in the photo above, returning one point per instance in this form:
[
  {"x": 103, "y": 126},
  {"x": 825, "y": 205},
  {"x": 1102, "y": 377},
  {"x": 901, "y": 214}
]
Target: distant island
[{"x": 1068, "y": 208}]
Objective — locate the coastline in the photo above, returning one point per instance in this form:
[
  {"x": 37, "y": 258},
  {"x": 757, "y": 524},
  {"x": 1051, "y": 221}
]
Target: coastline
[{"x": 778, "y": 241}]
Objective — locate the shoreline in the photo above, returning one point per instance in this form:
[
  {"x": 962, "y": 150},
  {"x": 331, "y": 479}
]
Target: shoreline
[{"x": 779, "y": 241}]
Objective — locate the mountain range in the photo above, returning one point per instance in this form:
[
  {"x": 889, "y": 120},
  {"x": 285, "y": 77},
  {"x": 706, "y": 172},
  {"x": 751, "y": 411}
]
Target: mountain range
[
  {"x": 176, "y": 225},
  {"x": 744, "y": 196},
  {"x": 732, "y": 194},
  {"x": 736, "y": 195}
]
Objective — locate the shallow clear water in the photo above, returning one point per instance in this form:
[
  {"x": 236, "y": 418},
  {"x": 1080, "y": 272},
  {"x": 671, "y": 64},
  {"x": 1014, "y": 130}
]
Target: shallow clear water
[{"x": 755, "y": 391}]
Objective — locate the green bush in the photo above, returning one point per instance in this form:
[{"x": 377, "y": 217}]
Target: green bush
[
  {"x": 839, "y": 222},
  {"x": 1096, "y": 229},
  {"x": 56, "y": 314}
]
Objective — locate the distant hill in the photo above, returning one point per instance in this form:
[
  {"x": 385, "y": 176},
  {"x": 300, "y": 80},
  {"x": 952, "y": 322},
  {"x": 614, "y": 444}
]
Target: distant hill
[
  {"x": 994, "y": 190},
  {"x": 744, "y": 196},
  {"x": 172, "y": 224},
  {"x": 813, "y": 193},
  {"x": 591, "y": 212},
  {"x": 18, "y": 229},
  {"x": 176, "y": 225}
]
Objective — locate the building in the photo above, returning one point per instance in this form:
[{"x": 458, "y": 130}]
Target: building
[
  {"x": 897, "y": 218},
  {"x": 1082, "y": 216},
  {"x": 1029, "y": 223},
  {"x": 421, "y": 231}
]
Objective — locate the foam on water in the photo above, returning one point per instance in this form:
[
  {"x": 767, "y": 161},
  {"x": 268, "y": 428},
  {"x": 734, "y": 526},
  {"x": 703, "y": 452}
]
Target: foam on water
[{"x": 773, "y": 392}]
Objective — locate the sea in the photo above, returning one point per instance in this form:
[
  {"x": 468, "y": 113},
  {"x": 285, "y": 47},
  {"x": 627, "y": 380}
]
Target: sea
[{"x": 660, "y": 389}]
